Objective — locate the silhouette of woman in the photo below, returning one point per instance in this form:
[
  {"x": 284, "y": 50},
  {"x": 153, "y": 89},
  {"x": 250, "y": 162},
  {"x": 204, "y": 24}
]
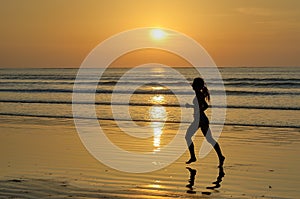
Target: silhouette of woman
[{"x": 201, "y": 120}]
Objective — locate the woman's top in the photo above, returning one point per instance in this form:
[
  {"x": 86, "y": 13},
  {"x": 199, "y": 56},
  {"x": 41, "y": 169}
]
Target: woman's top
[{"x": 200, "y": 105}]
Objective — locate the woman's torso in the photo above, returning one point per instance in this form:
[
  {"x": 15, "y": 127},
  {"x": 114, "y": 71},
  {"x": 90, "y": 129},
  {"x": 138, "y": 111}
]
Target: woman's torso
[{"x": 199, "y": 114}]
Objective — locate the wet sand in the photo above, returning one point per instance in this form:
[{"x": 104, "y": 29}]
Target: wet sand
[{"x": 44, "y": 158}]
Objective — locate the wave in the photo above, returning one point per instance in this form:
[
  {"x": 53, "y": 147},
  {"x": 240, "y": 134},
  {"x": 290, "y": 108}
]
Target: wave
[
  {"x": 145, "y": 104},
  {"x": 37, "y": 77},
  {"x": 112, "y": 83},
  {"x": 141, "y": 120},
  {"x": 91, "y": 76},
  {"x": 234, "y": 79},
  {"x": 230, "y": 92},
  {"x": 165, "y": 92},
  {"x": 115, "y": 78},
  {"x": 265, "y": 85},
  {"x": 178, "y": 83}
]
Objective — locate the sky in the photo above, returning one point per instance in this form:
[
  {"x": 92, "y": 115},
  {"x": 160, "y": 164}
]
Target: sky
[{"x": 61, "y": 33}]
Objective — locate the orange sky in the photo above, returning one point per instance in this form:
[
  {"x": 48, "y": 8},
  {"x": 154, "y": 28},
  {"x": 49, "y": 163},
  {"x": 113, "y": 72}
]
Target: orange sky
[{"x": 60, "y": 33}]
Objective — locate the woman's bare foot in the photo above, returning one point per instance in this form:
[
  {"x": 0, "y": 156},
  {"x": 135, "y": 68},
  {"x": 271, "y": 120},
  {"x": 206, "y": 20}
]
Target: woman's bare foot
[{"x": 191, "y": 160}]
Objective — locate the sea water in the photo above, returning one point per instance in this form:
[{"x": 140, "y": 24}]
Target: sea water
[{"x": 267, "y": 97}]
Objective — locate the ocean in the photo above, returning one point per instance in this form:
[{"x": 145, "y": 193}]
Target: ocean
[{"x": 262, "y": 97}]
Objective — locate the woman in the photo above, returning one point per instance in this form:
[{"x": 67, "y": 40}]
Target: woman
[{"x": 201, "y": 121}]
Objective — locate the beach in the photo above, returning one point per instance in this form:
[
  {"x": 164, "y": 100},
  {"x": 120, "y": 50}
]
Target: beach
[
  {"x": 42, "y": 155},
  {"x": 46, "y": 159}
]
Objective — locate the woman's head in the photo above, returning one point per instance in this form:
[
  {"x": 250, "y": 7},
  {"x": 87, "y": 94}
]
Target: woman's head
[{"x": 199, "y": 86}]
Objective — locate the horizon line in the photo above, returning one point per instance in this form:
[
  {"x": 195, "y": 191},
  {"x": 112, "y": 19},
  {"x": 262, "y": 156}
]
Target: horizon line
[{"x": 120, "y": 67}]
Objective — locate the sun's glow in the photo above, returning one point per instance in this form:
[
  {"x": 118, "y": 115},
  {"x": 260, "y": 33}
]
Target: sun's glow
[
  {"x": 157, "y": 113},
  {"x": 156, "y": 186},
  {"x": 157, "y": 88},
  {"x": 157, "y": 99},
  {"x": 158, "y": 34}
]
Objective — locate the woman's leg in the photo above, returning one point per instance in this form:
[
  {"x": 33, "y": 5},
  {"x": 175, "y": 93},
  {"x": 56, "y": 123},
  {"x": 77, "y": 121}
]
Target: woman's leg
[
  {"x": 207, "y": 133},
  {"x": 188, "y": 137}
]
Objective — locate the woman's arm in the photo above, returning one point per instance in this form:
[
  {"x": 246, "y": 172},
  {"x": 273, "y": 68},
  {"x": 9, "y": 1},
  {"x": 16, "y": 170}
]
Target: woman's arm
[{"x": 187, "y": 105}]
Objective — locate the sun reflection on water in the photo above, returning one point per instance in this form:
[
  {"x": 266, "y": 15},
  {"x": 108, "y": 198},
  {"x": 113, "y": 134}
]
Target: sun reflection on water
[
  {"x": 154, "y": 186},
  {"x": 157, "y": 99},
  {"x": 158, "y": 115},
  {"x": 157, "y": 88}
]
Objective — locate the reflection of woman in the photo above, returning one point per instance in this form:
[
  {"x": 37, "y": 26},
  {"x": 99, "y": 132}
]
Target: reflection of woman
[
  {"x": 201, "y": 120},
  {"x": 217, "y": 183}
]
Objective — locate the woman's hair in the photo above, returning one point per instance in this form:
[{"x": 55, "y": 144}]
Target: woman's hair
[{"x": 199, "y": 85}]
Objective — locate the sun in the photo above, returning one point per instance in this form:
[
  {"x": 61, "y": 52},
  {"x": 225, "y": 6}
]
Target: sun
[{"x": 158, "y": 34}]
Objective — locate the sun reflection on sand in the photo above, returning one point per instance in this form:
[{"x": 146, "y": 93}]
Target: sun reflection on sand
[
  {"x": 157, "y": 131},
  {"x": 158, "y": 115}
]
